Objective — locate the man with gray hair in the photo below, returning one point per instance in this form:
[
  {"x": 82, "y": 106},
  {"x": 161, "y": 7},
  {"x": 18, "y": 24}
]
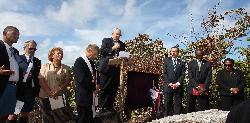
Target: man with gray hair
[
  {"x": 28, "y": 88},
  {"x": 85, "y": 77},
  {"x": 109, "y": 75}
]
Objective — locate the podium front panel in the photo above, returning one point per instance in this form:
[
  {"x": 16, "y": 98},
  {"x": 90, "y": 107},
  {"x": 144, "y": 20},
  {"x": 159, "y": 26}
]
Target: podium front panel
[{"x": 138, "y": 86}]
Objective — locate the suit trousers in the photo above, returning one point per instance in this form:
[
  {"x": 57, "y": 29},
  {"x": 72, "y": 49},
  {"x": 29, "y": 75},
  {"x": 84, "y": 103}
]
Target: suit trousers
[
  {"x": 85, "y": 114},
  {"x": 228, "y": 102},
  {"x": 172, "y": 103},
  {"x": 8, "y": 100},
  {"x": 202, "y": 103},
  {"x": 109, "y": 88}
]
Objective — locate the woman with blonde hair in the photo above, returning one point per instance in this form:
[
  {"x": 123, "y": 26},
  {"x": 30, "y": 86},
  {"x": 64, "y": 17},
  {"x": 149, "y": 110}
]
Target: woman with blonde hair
[{"x": 54, "y": 78}]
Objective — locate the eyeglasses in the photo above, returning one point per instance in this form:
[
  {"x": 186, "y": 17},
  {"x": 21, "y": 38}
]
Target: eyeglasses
[
  {"x": 33, "y": 49},
  {"x": 228, "y": 65}
]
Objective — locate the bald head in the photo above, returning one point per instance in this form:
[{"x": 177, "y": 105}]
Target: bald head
[
  {"x": 116, "y": 34},
  {"x": 199, "y": 54}
]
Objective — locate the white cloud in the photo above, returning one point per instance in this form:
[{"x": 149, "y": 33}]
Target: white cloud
[
  {"x": 29, "y": 25},
  {"x": 91, "y": 36},
  {"x": 43, "y": 49},
  {"x": 13, "y": 5},
  {"x": 75, "y": 12}
]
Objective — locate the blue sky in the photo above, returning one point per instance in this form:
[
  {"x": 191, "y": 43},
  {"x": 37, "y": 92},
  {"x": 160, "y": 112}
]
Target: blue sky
[{"x": 72, "y": 24}]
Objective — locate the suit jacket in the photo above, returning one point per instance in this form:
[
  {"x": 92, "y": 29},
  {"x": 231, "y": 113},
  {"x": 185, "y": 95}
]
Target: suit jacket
[
  {"x": 84, "y": 84},
  {"x": 5, "y": 61},
  {"x": 199, "y": 77},
  {"x": 171, "y": 76},
  {"x": 240, "y": 113},
  {"x": 226, "y": 81},
  {"x": 107, "y": 53},
  {"x": 24, "y": 88}
]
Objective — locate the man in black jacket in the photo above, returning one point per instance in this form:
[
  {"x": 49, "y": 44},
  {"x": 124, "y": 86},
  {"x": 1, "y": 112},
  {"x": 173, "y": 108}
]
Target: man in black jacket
[
  {"x": 174, "y": 73},
  {"x": 109, "y": 75},
  {"x": 231, "y": 84},
  {"x": 85, "y": 77},
  {"x": 239, "y": 113},
  {"x": 29, "y": 87},
  {"x": 9, "y": 71},
  {"x": 199, "y": 74}
]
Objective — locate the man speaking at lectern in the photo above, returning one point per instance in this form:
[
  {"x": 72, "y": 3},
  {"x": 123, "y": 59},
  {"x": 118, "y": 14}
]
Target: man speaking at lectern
[{"x": 109, "y": 74}]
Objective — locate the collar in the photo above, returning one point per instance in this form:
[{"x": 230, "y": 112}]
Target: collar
[
  {"x": 28, "y": 57},
  {"x": 114, "y": 40},
  {"x": 174, "y": 58},
  {"x": 199, "y": 60},
  {"x": 7, "y": 45}
]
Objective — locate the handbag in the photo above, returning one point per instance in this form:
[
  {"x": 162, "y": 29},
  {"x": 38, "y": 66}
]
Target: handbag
[{"x": 196, "y": 92}]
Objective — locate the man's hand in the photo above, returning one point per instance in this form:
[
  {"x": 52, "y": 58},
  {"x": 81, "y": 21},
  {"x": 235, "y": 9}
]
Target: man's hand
[
  {"x": 201, "y": 90},
  {"x": 116, "y": 46},
  {"x": 174, "y": 86},
  {"x": 3, "y": 71},
  {"x": 97, "y": 89},
  {"x": 55, "y": 93},
  {"x": 170, "y": 85},
  {"x": 234, "y": 90}
]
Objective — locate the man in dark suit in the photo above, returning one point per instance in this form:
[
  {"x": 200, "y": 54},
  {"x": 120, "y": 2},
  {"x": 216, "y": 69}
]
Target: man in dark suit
[
  {"x": 109, "y": 75},
  {"x": 85, "y": 77},
  {"x": 199, "y": 74},
  {"x": 174, "y": 73},
  {"x": 29, "y": 87},
  {"x": 231, "y": 84},
  {"x": 240, "y": 113},
  {"x": 9, "y": 71}
]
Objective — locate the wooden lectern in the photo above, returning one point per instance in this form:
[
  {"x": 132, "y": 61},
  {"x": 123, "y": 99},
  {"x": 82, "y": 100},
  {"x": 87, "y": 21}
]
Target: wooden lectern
[{"x": 133, "y": 92}]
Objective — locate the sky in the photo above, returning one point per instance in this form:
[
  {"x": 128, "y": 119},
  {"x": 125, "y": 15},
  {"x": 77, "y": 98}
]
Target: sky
[{"x": 73, "y": 24}]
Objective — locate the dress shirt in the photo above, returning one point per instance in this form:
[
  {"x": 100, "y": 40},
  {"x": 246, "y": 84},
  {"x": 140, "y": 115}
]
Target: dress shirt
[{"x": 13, "y": 64}]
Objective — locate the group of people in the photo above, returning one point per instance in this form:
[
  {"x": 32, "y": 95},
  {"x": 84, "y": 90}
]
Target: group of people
[
  {"x": 22, "y": 78},
  {"x": 231, "y": 83}
]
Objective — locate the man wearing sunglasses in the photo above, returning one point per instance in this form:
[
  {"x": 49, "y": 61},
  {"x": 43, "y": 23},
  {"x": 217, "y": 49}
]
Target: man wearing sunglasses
[
  {"x": 28, "y": 88},
  {"x": 231, "y": 84}
]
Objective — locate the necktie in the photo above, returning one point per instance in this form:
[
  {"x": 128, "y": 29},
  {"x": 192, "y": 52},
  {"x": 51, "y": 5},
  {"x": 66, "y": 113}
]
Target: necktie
[
  {"x": 174, "y": 64},
  {"x": 29, "y": 60},
  {"x": 199, "y": 65},
  {"x": 12, "y": 51}
]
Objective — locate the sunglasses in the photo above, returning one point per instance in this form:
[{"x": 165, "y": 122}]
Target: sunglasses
[{"x": 33, "y": 49}]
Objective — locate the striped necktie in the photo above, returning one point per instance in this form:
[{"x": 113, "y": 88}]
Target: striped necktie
[{"x": 174, "y": 64}]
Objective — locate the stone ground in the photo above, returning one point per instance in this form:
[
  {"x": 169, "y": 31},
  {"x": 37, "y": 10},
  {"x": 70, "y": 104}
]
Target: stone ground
[{"x": 208, "y": 116}]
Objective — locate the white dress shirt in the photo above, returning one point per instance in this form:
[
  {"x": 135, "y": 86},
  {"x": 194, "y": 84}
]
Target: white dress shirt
[{"x": 13, "y": 64}]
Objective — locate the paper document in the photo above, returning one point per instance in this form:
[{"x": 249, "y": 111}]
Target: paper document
[
  {"x": 27, "y": 72},
  {"x": 154, "y": 94},
  {"x": 124, "y": 54},
  {"x": 57, "y": 103},
  {"x": 19, "y": 106}
]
